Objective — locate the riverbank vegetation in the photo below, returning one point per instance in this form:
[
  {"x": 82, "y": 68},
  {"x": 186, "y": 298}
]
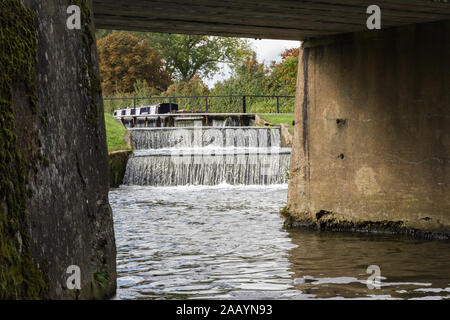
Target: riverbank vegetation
[
  {"x": 115, "y": 134},
  {"x": 136, "y": 64},
  {"x": 275, "y": 119}
]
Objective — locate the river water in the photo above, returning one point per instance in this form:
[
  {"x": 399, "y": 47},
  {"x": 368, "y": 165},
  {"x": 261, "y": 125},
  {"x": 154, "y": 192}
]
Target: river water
[{"x": 228, "y": 242}]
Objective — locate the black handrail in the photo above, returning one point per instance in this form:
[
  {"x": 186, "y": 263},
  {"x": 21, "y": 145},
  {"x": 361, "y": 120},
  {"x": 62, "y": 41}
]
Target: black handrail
[{"x": 242, "y": 96}]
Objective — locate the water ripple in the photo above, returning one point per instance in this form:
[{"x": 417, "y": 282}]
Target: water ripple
[{"x": 227, "y": 242}]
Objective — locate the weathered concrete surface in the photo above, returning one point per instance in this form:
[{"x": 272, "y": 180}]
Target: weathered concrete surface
[
  {"x": 117, "y": 166},
  {"x": 286, "y": 135},
  {"x": 372, "y": 132},
  {"x": 127, "y": 138},
  {"x": 281, "y": 19},
  {"x": 68, "y": 217}
]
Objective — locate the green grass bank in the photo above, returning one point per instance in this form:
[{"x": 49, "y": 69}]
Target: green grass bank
[
  {"x": 115, "y": 134},
  {"x": 279, "y": 119},
  {"x": 119, "y": 151}
]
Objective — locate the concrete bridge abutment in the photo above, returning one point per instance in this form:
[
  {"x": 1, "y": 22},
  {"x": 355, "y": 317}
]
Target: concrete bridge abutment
[
  {"x": 371, "y": 148},
  {"x": 56, "y": 227}
]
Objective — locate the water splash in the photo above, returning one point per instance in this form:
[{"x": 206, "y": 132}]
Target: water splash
[
  {"x": 200, "y": 137},
  {"x": 207, "y": 156}
]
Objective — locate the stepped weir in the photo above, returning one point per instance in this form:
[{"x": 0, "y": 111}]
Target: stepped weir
[{"x": 201, "y": 155}]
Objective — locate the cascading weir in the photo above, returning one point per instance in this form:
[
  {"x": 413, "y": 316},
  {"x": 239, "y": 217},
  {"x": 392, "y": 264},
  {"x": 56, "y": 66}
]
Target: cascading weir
[{"x": 207, "y": 156}]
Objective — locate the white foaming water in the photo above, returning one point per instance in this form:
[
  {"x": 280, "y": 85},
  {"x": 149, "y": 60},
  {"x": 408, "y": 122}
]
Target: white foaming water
[
  {"x": 207, "y": 156},
  {"x": 201, "y": 137}
]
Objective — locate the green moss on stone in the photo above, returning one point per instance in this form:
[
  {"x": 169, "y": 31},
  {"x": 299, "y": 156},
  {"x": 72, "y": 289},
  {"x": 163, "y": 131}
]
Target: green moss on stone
[
  {"x": 92, "y": 81},
  {"x": 117, "y": 166},
  {"x": 102, "y": 278},
  {"x": 45, "y": 162},
  {"x": 20, "y": 276},
  {"x": 288, "y": 219},
  {"x": 44, "y": 119}
]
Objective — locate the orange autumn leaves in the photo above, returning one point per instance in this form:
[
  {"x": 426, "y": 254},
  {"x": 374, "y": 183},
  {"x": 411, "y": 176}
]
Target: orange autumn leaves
[{"x": 126, "y": 60}]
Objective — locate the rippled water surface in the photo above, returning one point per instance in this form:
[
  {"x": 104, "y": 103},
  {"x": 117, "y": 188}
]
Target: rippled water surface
[{"x": 227, "y": 242}]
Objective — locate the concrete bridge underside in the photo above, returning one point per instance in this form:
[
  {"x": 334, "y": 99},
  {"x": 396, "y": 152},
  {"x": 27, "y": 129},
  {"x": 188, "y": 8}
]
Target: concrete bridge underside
[
  {"x": 371, "y": 145},
  {"x": 279, "y": 19}
]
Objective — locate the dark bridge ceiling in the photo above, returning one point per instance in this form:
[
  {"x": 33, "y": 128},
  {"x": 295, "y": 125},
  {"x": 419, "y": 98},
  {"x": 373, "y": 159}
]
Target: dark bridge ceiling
[{"x": 273, "y": 19}]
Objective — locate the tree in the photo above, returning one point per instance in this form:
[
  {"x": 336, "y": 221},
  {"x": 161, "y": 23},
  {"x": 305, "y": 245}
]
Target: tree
[
  {"x": 283, "y": 77},
  {"x": 101, "y": 33},
  {"x": 190, "y": 55},
  {"x": 250, "y": 77},
  {"x": 193, "y": 87},
  {"x": 125, "y": 60}
]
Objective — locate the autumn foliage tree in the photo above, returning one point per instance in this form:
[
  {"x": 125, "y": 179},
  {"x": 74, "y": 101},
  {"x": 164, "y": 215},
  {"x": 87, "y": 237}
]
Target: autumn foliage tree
[
  {"x": 126, "y": 60},
  {"x": 283, "y": 78}
]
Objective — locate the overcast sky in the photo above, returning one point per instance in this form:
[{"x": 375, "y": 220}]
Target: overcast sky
[{"x": 266, "y": 51}]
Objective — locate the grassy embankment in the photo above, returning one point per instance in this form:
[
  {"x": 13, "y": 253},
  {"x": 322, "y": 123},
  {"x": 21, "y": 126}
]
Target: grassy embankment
[
  {"x": 280, "y": 118},
  {"x": 115, "y": 133}
]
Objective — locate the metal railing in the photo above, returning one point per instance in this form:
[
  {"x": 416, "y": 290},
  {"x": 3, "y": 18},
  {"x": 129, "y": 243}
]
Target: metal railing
[{"x": 206, "y": 102}]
